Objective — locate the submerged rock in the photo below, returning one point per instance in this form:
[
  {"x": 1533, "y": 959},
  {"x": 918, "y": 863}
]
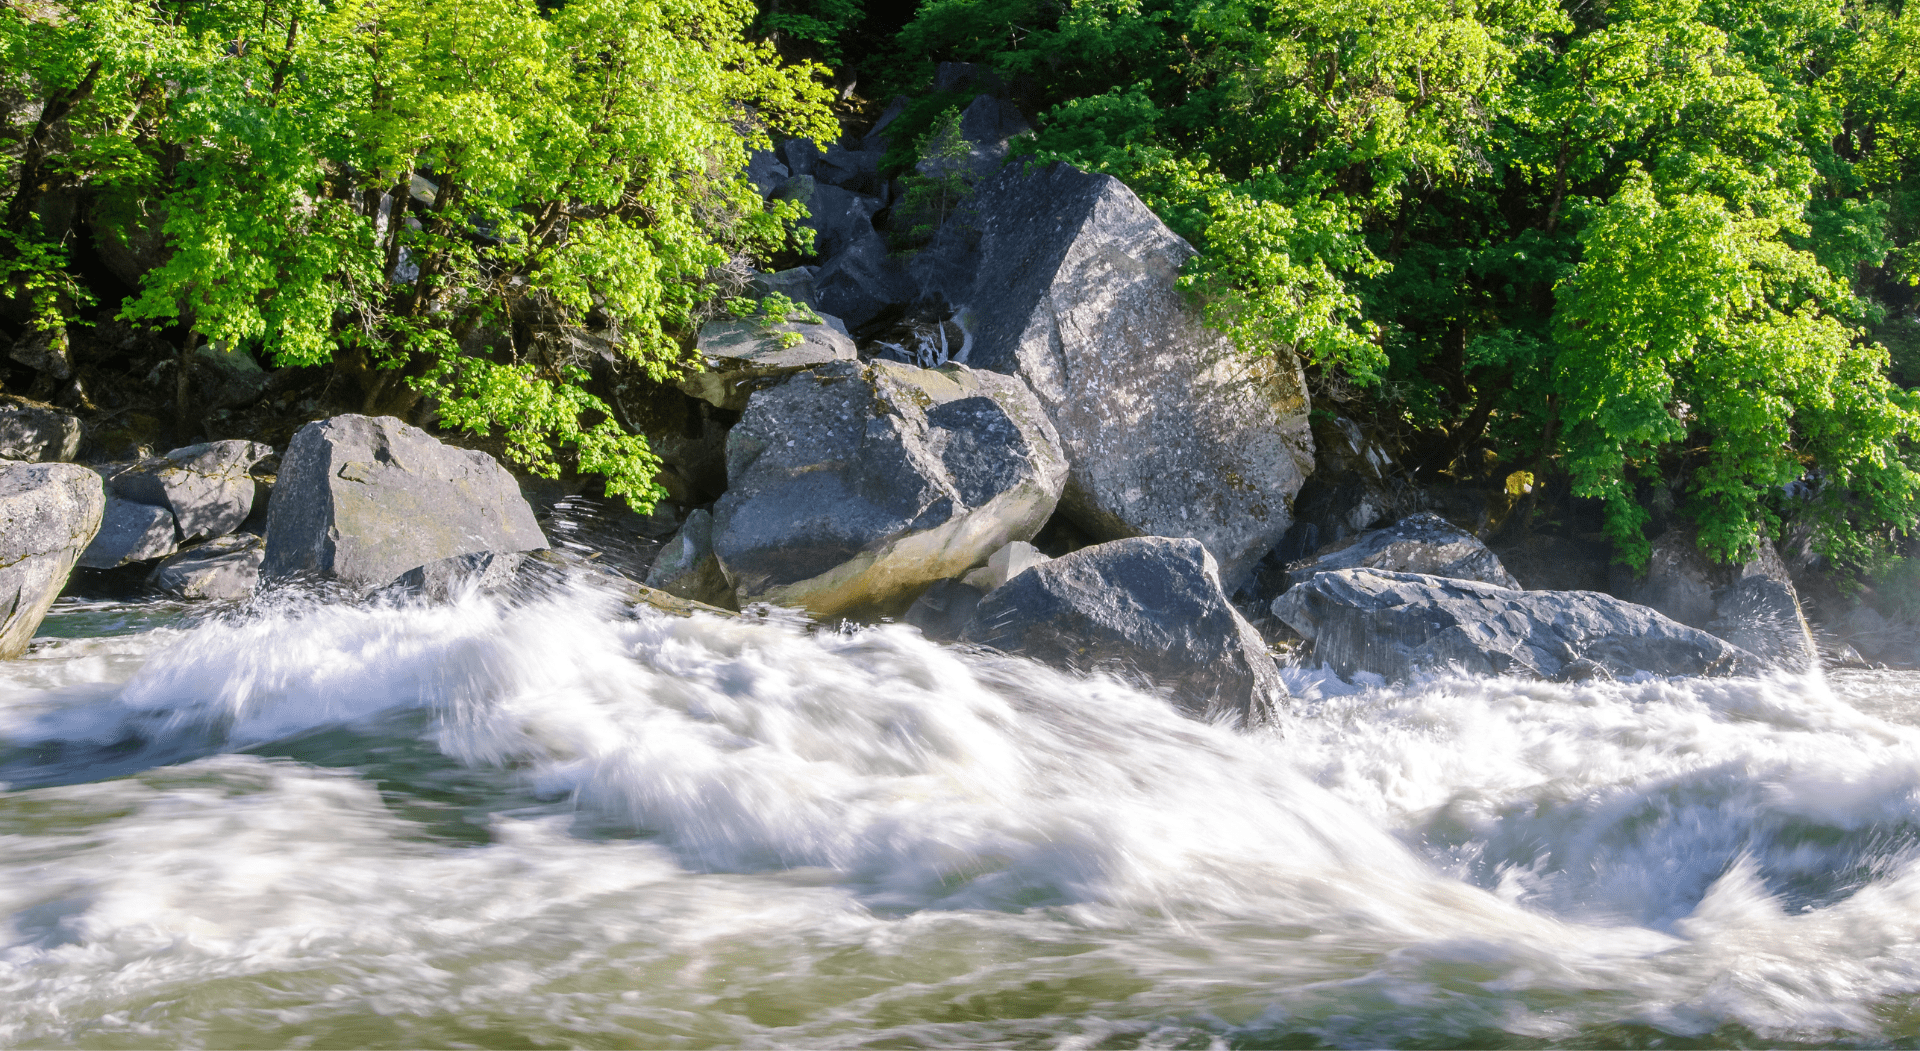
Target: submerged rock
[
  {"x": 225, "y": 568},
  {"x": 944, "y": 610},
  {"x": 1151, "y": 606},
  {"x": 1421, "y": 543},
  {"x": 363, "y": 499},
  {"x": 1169, "y": 429},
  {"x": 209, "y": 488},
  {"x": 1397, "y": 625},
  {"x": 854, "y": 486},
  {"x": 37, "y": 433},
  {"x": 48, "y": 515},
  {"x": 447, "y": 578}
]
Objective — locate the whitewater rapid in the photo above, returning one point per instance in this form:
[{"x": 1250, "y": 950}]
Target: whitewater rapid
[{"x": 554, "y": 821}]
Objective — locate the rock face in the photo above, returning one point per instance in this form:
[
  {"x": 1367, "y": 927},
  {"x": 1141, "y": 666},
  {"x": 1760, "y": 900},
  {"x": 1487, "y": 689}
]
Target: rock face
[
  {"x": 37, "y": 433},
  {"x": 1396, "y": 625},
  {"x": 861, "y": 281},
  {"x": 131, "y": 532},
  {"x": 224, "y": 568},
  {"x": 1169, "y": 429},
  {"x": 855, "y": 486},
  {"x": 363, "y": 499},
  {"x": 688, "y": 568},
  {"x": 743, "y": 356},
  {"x": 1421, "y": 543},
  {"x": 1357, "y": 485},
  {"x": 207, "y": 487},
  {"x": 1147, "y": 605},
  {"x": 48, "y": 515}
]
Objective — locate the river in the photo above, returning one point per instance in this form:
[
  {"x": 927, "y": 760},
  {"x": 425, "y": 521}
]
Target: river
[{"x": 555, "y": 822}]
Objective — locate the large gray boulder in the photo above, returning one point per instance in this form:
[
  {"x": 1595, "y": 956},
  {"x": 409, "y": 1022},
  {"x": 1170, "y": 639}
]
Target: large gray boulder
[
  {"x": 224, "y": 568},
  {"x": 1150, "y": 606},
  {"x": 839, "y": 218},
  {"x": 1751, "y": 604},
  {"x": 862, "y": 281},
  {"x": 853, "y": 487},
  {"x": 48, "y": 515},
  {"x": 36, "y": 433},
  {"x": 131, "y": 532},
  {"x": 1420, "y": 543},
  {"x": 209, "y": 488},
  {"x": 1397, "y": 625},
  {"x": 743, "y": 356},
  {"x": 363, "y": 499},
  {"x": 1169, "y": 429}
]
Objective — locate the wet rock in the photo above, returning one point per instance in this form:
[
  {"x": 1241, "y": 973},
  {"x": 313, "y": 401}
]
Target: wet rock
[
  {"x": 209, "y": 488},
  {"x": 48, "y": 515},
  {"x": 1397, "y": 625},
  {"x": 1146, "y": 606},
  {"x": 743, "y": 356},
  {"x": 224, "y": 568},
  {"x": 944, "y": 610},
  {"x": 1169, "y": 429},
  {"x": 854, "y": 487},
  {"x": 1762, "y": 616},
  {"x": 446, "y": 579},
  {"x": 34, "y": 433},
  {"x": 688, "y": 568},
  {"x": 363, "y": 499},
  {"x": 1422, "y": 543},
  {"x": 1751, "y": 604},
  {"x": 130, "y": 532}
]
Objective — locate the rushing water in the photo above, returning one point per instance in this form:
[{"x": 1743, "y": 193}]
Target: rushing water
[{"x": 554, "y": 822}]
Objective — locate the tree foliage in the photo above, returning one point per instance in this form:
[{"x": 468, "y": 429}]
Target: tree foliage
[{"x": 434, "y": 195}]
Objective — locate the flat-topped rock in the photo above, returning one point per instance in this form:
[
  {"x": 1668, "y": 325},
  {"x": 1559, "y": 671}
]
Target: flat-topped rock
[
  {"x": 743, "y": 356},
  {"x": 224, "y": 568},
  {"x": 1398, "y": 625},
  {"x": 1420, "y": 543}
]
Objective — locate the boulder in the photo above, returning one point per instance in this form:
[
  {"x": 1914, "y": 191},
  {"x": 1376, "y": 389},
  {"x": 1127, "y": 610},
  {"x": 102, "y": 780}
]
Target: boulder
[
  {"x": 35, "y": 433},
  {"x": 1169, "y": 429},
  {"x": 225, "y": 568},
  {"x": 1397, "y": 625},
  {"x": 209, "y": 488},
  {"x": 48, "y": 515},
  {"x": 968, "y": 76},
  {"x": 796, "y": 284},
  {"x": 800, "y": 155},
  {"x": 988, "y": 124},
  {"x": 363, "y": 499},
  {"x": 1752, "y": 604},
  {"x": 1149, "y": 606},
  {"x": 862, "y": 281},
  {"x": 765, "y": 171},
  {"x": 1762, "y": 616},
  {"x": 856, "y": 170},
  {"x": 130, "y": 532},
  {"x": 228, "y": 377},
  {"x": 688, "y": 568},
  {"x": 838, "y": 218},
  {"x": 877, "y": 138},
  {"x": 743, "y": 356},
  {"x": 1357, "y": 484},
  {"x": 853, "y": 487},
  {"x": 1422, "y": 543}
]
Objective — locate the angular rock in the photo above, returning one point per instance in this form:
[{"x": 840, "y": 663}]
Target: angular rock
[
  {"x": 1357, "y": 484},
  {"x": 48, "y": 515},
  {"x": 800, "y": 155},
  {"x": 988, "y": 124},
  {"x": 1170, "y": 430},
  {"x": 796, "y": 284},
  {"x": 228, "y": 377},
  {"x": 131, "y": 532},
  {"x": 1005, "y": 564},
  {"x": 854, "y": 487},
  {"x": 363, "y": 499},
  {"x": 877, "y": 138},
  {"x": 743, "y": 356},
  {"x": 1423, "y": 543},
  {"x": 688, "y": 568},
  {"x": 1146, "y": 605},
  {"x": 448, "y": 578},
  {"x": 1751, "y": 604},
  {"x": 862, "y": 281},
  {"x": 224, "y": 568},
  {"x": 968, "y": 76},
  {"x": 1397, "y": 625},
  {"x": 838, "y": 217},
  {"x": 765, "y": 171},
  {"x": 856, "y": 170},
  {"x": 36, "y": 433},
  {"x": 209, "y": 488},
  {"x": 41, "y": 352}
]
